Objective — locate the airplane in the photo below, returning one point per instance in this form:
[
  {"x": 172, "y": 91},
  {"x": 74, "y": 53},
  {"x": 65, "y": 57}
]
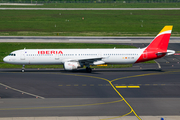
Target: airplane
[{"x": 72, "y": 59}]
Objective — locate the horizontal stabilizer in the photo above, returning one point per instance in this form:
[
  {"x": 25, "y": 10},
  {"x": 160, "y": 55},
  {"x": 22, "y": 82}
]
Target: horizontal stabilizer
[{"x": 169, "y": 52}]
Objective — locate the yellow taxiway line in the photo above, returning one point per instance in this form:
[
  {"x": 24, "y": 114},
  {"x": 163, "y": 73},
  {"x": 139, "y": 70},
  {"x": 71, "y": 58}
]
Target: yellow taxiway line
[{"x": 127, "y": 86}]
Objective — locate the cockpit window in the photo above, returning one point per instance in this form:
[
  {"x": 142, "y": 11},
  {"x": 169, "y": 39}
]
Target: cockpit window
[{"x": 12, "y": 54}]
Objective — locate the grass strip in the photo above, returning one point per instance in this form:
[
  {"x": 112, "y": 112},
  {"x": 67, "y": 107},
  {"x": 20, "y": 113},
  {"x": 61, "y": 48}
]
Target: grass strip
[{"x": 95, "y": 23}]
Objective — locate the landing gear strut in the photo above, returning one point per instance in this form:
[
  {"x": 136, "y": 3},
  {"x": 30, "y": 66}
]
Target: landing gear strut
[
  {"x": 88, "y": 69},
  {"x": 23, "y": 67}
]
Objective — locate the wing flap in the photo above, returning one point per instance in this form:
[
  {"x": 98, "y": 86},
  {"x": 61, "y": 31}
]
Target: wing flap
[{"x": 86, "y": 61}]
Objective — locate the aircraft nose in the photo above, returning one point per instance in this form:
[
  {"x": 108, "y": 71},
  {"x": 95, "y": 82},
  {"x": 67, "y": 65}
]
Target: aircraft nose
[{"x": 5, "y": 59}]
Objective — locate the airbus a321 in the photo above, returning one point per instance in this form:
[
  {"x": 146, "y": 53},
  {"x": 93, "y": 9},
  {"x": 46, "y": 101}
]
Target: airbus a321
[{"x": 73, "y": 59}]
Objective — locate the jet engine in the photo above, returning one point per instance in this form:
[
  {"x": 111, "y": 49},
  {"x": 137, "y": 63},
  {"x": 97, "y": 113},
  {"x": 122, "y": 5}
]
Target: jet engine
[{"x": 71, "y": 65}]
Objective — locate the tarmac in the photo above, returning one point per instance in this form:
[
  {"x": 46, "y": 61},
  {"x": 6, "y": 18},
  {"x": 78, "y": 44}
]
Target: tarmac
[
  {"x": 60, "y": 39},
  {"x": 95, "y": 118}
]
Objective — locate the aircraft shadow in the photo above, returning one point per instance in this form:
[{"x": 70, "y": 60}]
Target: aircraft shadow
[{"x": 96, "y": 71}]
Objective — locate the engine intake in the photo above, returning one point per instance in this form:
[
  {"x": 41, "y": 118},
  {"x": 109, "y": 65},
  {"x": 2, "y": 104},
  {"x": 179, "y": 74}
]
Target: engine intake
[{"x": 71, "y": 65}]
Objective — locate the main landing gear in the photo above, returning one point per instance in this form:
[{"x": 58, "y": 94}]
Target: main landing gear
[
  {"x": 23, "y": 68},
  {"x": 88, "y": 69}
]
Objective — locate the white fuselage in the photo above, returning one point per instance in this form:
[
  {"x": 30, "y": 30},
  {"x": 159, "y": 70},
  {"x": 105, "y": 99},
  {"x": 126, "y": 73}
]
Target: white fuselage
[{"x": 60, "y": 56}]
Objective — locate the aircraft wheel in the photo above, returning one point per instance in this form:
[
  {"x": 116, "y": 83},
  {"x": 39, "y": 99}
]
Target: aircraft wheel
[
  {"x": 23, "y": 67},
  {"x": 88, "y": 69}
]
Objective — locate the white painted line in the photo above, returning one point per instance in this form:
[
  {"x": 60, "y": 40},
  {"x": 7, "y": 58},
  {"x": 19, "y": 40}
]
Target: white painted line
[
  {"x": 21, "y": 91},
  {"x": 158, "y": 64},
  {"x": 19, "y": 4}
]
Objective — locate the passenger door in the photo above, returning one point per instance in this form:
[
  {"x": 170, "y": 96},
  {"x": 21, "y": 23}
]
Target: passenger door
[
  {"x": 57, "y": 57},
  {"x": 145, "y": 56},
  {"x": 22, "y": 57}
]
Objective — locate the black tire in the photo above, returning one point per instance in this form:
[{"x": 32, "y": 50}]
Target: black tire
[{"x": 88, "y": 69}]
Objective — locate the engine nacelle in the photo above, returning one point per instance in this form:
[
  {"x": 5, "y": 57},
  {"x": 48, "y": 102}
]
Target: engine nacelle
[
  {"x": 71, "y": 65},
  {"x": 98, "y": 62}
]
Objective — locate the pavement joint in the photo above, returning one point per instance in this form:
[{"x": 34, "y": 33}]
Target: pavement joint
[
  {"x": 107, "y": 85},
  {"x": 37, "y": 96}
]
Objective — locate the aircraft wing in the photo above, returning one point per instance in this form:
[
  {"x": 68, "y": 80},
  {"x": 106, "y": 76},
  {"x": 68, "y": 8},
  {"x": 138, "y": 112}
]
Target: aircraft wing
[
  {"x": 86, "y": 61},
  {"x": 89, "y": 60}
]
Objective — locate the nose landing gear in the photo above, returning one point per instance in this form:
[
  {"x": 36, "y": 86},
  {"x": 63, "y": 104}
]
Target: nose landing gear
[{"x": 23, "y": 68}]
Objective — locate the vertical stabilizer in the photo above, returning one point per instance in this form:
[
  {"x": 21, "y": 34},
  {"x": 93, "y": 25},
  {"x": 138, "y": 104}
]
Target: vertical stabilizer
[
  {"x": 158, "y": 47},
  {"x": 161, "y": 41}
]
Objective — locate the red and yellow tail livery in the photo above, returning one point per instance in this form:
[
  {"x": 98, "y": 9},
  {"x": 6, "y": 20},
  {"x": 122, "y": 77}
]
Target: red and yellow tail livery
[{"x": 158, "y": 47}]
